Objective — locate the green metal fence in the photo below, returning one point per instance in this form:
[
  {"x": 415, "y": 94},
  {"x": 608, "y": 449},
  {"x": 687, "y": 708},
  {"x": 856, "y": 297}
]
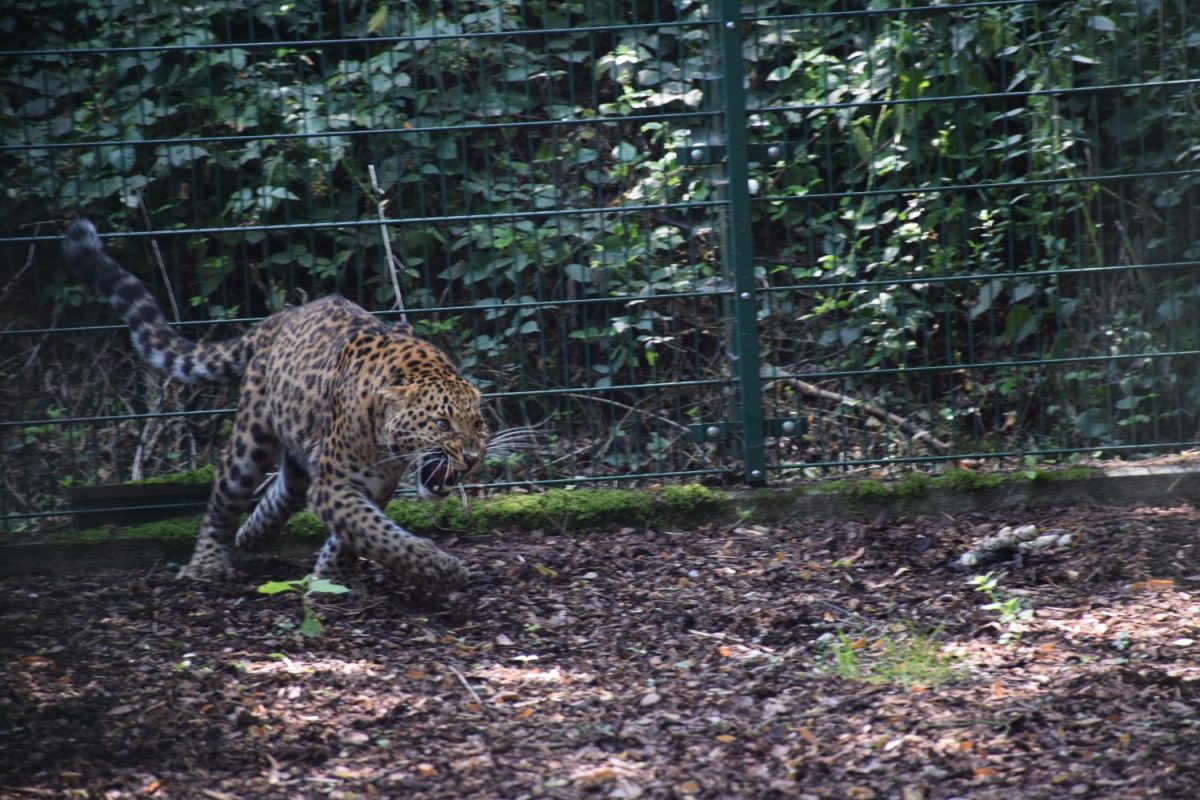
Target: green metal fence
[{"x": 718, "y": 241}]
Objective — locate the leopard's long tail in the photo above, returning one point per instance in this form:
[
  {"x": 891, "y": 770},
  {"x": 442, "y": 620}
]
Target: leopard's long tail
[{"x": 155, "y": 340}]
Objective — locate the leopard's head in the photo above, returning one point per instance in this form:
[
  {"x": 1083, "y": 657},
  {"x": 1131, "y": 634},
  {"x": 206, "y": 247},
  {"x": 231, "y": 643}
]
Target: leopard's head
[{"x": 437, "y": 426}]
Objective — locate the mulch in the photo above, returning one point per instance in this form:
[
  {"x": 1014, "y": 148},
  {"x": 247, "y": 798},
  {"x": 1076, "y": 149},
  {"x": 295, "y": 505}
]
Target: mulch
[{"x": 631, "y": 663}]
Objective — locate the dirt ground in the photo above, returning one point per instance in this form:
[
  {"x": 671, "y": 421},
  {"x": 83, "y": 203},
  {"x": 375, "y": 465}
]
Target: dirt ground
[{"x": 721, "y": 663}]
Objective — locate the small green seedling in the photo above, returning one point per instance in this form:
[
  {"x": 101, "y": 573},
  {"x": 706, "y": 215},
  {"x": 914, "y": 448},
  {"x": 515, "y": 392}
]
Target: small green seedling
[
  {"x": 311, "y": 625},
  {"x": 1014, "y": 614}
]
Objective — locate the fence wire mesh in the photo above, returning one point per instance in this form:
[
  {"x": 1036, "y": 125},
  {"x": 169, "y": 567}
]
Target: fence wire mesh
[{"x": 705, "y": 240}]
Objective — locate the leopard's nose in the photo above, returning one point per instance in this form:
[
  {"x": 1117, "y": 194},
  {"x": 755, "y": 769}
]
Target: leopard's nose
[{"x": 470, "y": 460}]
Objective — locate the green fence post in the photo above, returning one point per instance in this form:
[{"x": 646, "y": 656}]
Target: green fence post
[{"x": 738, "y": 247}]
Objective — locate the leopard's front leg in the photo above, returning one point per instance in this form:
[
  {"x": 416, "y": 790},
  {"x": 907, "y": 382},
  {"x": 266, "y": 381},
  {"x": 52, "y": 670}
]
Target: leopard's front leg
[{"x": 358, "y": 527}]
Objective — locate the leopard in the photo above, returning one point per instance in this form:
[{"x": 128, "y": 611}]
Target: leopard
[{"x": 337, "y": 403}]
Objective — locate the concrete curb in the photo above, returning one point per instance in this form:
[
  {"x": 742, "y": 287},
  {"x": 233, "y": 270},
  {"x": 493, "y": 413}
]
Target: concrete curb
[{"x": 1116, "y": 486}]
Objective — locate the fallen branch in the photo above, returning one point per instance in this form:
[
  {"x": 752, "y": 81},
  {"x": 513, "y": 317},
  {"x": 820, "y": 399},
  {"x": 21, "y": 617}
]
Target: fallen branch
[
  {"x": 811, "y": 390},
  {"x": 392, "y": 261},
  {"x": 467, "y": 686}
]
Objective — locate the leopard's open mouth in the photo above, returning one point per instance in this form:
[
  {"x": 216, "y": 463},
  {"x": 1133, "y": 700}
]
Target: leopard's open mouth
[{"x": 437, "y": 477}]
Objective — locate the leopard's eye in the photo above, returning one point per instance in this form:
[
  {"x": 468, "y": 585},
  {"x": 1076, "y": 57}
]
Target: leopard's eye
[{"x": 443, "y": 424}]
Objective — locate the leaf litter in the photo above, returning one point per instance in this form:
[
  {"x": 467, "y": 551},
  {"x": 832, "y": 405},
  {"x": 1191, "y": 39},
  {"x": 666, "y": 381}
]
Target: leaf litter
[{"x": 713, "y": 663}]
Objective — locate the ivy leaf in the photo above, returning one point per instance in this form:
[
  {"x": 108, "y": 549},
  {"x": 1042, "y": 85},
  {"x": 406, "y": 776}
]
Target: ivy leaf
[
  {"x": 987, "y": 294},
  {"x": 311, "y": 627},
  {"x": 378, "y": 19},
  {"x": 1021, "y": 322},
  {"x": 327, "y": 586},
  {"x": 276, "y": 587}
]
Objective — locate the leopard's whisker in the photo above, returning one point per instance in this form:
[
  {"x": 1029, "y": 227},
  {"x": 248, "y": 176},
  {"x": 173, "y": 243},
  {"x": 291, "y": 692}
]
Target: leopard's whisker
[{"x": 511, "y": 440}]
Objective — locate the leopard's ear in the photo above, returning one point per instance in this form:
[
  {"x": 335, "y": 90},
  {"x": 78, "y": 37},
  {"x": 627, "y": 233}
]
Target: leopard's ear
[{"x": 401, "y": 395}]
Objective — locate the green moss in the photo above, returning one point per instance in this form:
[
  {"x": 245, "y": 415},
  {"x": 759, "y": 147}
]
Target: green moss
[
  {"x": 857, "y": 494},
  {"x": 691, "y": 504},
  {"x": 913, "y": 484},
  {"x": 89, "y": 536},
  {"x": 564, "y": 509},
  {"x": 306, "y": 525},
  {"x": 910, "y": 486},
  {"x": 861, "y": 492},
  {"x": 585, "y": 510},
  {"x": 962, "y": 480},
  {"x": 1069, "y": 474},
  {"x": 171, "y": 530},
  {"x": 558, "y": 509},
  {"x": 193, "y": 477}
]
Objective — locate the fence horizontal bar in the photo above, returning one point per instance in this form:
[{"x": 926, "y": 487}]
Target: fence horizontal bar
[
  {"x": 397, "y": 221},
  {"x": 625, "y": 387},
  {"x": 357, "y": 41},
  {"x": 590, "y": 210},
  {"x": 634, "y": 476},
  {"x": 552, "y": 392},
  {"x": 71, "y": 512},
  {"x": 811, "y": 377},
  {"x": 573, "y": 121},
  {"x": 994, "y": 455},
  {"x": 413, "y": 312},
  {"x": 1069, "y": 272},
  {"x": 902, "y": 10},
  {"x": 954, "y": 98},
  {"x": 723, "y": 292},
  {"x": 425, "y": 130},
  {"x": 979, "y": 187},
  {"x": 207, "y": 412},
  {"x": 616, "y": 299}
]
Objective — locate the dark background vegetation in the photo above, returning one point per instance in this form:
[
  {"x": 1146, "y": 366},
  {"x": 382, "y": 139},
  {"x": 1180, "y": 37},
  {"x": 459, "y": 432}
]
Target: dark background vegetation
[{"x": 980, "y": 220}]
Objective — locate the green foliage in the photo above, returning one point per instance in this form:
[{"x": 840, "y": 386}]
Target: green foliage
[
  {"x": 898, "y": 270},
  {"x": 913, "y": 659},
  {"x": 932, "y": 206},
  {"x": 311, "y": 625}
]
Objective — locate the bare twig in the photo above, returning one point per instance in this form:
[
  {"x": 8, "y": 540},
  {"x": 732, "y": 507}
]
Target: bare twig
[
  {"x": 162, "y": 267},
  {"x": 809, "y": 390},
  {"x": 466, "y": 685},
  {"x": 151, "y": 429},
  {"x": 659, "y": 417},
  {"x": 392, "y": 261},
  {"x": 16, "y": 278}
]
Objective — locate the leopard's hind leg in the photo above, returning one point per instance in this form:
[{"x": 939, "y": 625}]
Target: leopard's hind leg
[
  {"x": 250, "y": 452},
  {"x": 284, "y": 497}
]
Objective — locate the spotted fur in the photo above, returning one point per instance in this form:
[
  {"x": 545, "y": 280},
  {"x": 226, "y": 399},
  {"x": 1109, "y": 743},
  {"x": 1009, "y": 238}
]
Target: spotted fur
[{"x": 340, "y": 405}]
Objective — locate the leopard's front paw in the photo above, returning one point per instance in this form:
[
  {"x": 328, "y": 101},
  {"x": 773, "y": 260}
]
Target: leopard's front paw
[
  {"x": 455, "y": 574},
  {"x": 441, "y": 575},
  {"x": 209, "y": 563}
]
